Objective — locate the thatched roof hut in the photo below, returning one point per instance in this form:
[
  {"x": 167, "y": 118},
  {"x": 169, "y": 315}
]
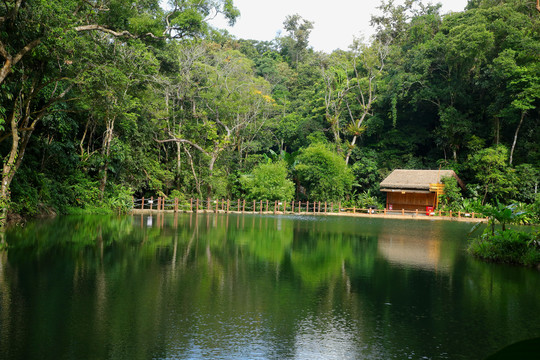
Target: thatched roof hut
[
  {"x": 414, "y": 189},
  {"x": 413, "y": 180}
]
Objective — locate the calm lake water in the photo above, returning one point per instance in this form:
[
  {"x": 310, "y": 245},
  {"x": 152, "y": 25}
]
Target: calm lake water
[{"x": 256, "y": 287}]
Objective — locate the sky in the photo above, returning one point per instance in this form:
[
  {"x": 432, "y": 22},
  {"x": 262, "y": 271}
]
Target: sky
[{"x": 335, "y": 21}]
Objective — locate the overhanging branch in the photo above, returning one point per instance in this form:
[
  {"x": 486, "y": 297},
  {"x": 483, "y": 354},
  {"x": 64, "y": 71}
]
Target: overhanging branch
[{"x": 125, "y": 33}]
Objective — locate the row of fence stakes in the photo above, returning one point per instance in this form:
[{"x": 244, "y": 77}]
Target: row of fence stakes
[{"x": 264, "y": 206}]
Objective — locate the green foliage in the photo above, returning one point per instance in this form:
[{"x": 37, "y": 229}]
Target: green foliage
[
  {"x": 493, "y": 173},
  {"x": 363, "y": 200},
  {"x": 527, "y": 177},
  {"x": 323, "y": 173},
  {"x": 268, "y": 182},
  {"x": 366, "y": 169},
  {"x": 501, "y": 214},
  {"x": 459, "y": 90},
  {"x": 509, "y": 246},
  {"x": 452, "y": 198},
  {"x": 120, "y": 199}
]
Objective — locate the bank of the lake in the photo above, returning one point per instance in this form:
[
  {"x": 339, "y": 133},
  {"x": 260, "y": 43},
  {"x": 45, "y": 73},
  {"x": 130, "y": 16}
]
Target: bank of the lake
[
  {"x": 388, "y": 215},
  {"x": 256, "y": 286}
]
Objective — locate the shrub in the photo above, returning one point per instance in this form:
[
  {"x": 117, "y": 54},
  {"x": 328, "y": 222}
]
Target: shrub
[
  {"x": 268, "y": 182},
  {"x": 508, "y": 246},
  {"x": 323, "y": 173}
]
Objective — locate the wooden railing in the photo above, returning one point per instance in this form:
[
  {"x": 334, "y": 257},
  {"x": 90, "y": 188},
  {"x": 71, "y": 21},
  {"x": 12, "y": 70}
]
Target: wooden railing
[{"x": 266, "y": 207}]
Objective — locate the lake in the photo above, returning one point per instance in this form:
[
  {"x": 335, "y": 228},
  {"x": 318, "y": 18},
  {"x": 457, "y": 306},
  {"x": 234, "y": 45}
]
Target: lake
[{"x": 256, "y": 287}]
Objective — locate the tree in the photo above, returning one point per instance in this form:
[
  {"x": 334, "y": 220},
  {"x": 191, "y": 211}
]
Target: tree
[
  {"x": 323, "y": 173},
  {"x": 222, "y": 102},
  {"x": 107, "y": 88},
  {"x": 296, "y": 43},
  {"x": 368, "y": 65},
  {"x": 268, "y": 181},
  {"x": 43, "y": 46},
  {"x": 522, "y": 83},
  {"x": 491, "y": 170}
]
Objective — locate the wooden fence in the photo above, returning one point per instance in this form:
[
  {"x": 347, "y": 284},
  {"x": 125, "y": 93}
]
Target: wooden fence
[{"x": 281, "y": 207}]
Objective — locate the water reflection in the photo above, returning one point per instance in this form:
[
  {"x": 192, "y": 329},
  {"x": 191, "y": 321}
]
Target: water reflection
[
  {"x": 232, "y": 286},
  {"x": 416, "y": 248}
]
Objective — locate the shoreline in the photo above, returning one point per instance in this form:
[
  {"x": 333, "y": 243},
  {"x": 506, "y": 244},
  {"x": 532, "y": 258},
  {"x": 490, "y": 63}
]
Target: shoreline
[{"x": 380, "y": 216}]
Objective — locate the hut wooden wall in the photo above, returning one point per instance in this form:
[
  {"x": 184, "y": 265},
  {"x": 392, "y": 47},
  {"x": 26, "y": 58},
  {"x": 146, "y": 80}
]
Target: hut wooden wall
[{"x": 410, "y": 201}]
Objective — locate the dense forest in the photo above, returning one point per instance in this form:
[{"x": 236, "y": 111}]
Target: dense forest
[{"x": 102, "y": 100}]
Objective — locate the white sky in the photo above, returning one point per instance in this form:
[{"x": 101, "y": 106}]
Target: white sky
[{"x": 335, "y": 21}]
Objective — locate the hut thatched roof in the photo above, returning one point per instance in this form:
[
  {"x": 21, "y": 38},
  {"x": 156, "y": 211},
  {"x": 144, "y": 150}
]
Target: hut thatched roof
[{"x": 418, "y": 180}]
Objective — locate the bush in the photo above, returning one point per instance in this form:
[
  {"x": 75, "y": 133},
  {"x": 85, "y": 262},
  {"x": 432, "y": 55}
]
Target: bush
[
  {"x": 508, "y": 246},
  {"x": 268, "y": 182},
  {"x": 452, "y": 198},
  {"x": 120, "y": 199},
  {"x": 323, "y": 173}
]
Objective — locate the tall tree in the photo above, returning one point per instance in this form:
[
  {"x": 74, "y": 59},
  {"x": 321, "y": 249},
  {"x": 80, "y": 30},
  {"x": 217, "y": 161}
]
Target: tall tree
[
  {"x": 297, "y": 42},
  {"x": 40, "y": 41}
]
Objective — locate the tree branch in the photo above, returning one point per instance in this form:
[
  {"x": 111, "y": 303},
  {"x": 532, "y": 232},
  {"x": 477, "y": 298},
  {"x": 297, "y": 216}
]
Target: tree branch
[
  {"x": 184, "y": 141},
  {"x": 96, "y": 27},
  {"x": 12, "y": 61}
]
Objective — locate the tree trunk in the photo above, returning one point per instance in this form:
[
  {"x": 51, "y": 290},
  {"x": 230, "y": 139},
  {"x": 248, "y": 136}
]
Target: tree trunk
[
  {"x": 10, "y": 164},
  {"x": 105, "y": 151},
  {"x": 178, "y": 162},
  {"x": 523, "y": 113},
  {"x": 349, "y": 152}
]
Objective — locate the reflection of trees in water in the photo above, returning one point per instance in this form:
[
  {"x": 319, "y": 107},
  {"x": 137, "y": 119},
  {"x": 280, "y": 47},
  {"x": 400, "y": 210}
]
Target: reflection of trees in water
[{"x": 229, "y": 283}]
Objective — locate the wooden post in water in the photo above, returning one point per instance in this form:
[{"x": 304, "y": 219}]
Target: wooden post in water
[
  {"x": 325, "y": 207},
  {"x": 339, "y": 207},
  {"x": 260, "y": 207},
  {"x": 266, "y": 205},
  {"x": 244, "y": 206},
  {"x": 299, "y": 207},
  {"x": 292, "y": 206},
  {"x": 217, "y": 206},
  {"x": 151, "y": 203},
  {"x": 142, "y": 203},
  {"x": 176, "y": 205},
  {"x": 228, "y": 204},
  {"x": 254, "y": 207},
  {"x": 190, "y": 204},
  {"x": 473, "y": 215},
  {"x": 284, "y": 206},
  {"x": 459, "y": 214},
  {"x": 450, "y": 213},
  {"x": 238, "y": 208},
  {"x": 402, "y": 211},
  {"x": 354, "y": 209},
  {"x": 197, "y": 205},
  {"x": 416, "y": 212},
  {"x": 275, "y": 206}
]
